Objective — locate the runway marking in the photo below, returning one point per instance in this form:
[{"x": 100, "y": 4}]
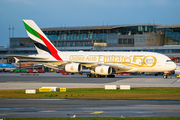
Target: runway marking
[
  {"x": 17, "y": 108},
  {"x": 48, "y": 111},
  {"x": 23, "y": 82},
  {"x": 3, "y": 114},
  {"x": 97, "y": 112},
  {"x": 47, "y": 99},
  {"x": 174, "y": 81}
]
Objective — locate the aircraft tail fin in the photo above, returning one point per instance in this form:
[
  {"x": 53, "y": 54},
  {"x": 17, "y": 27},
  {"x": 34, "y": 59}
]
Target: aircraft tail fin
[
  {"x": 42, "y": 43},
  {"x": 16, "y": 60}
]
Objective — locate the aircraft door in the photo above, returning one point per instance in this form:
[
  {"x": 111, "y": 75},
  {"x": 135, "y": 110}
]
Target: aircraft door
[{"x": 149, "y": 61}]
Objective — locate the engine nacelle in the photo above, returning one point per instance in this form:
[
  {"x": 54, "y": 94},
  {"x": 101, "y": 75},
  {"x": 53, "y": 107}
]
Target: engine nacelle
[
  {"x": 103, "y": 70},
  {"x": 73, "y": 67}
]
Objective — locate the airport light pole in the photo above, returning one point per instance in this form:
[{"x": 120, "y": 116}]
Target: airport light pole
[
  {"x": 12, "y": 37},
  {"x": 13, "y": 31},
  {"x": 9, "y": 38},
  {"x": 154, "y": 37}
]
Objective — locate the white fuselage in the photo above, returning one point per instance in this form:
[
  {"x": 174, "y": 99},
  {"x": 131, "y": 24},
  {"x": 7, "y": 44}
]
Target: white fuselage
[{"x": 138, "y": 61}]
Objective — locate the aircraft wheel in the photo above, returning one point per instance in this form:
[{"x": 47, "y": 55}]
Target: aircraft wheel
[
  {"x": 100, "y": 76},
  {"x": 164, "y": 76},
  {"x": 96, "y": 76},
  {"x": 110, "y": 76},
  {"x": 92, "y": 75},
  {"x": 88, "y": 76}
]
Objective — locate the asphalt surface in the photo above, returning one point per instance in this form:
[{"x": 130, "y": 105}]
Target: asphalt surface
[
  {"x": 54, "y": 78},
  {"x": 10, "y": 108},
  {"x": 83, "y": 108},
  {"x": 35, "y": 81}
]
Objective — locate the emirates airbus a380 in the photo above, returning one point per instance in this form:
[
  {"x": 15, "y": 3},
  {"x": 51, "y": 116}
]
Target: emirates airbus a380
[{"x": 100, "y": 63}]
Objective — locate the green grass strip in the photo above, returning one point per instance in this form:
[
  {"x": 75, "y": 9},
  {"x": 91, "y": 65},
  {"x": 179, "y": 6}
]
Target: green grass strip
[
  {"x": 99, "y": 118},
  {"x": 153, "y": 93}
]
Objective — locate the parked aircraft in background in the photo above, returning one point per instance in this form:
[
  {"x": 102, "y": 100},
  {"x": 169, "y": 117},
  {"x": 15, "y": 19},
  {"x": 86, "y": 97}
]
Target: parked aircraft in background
[
  {"x": 7, "y": 67},
  {"x": 100, "y": 63}
]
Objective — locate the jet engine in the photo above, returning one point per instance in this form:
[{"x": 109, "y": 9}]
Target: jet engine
[
  {"x": 103, "y": 70},
  {"x": 73, "y": 67}
]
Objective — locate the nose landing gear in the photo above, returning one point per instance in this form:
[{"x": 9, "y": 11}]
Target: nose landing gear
[{"x": 165, "y": 76}]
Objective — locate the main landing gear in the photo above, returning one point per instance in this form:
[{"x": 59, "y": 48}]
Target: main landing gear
[
  {"x": 110, "y": 76},
  {"x": 99, "y": 76}
]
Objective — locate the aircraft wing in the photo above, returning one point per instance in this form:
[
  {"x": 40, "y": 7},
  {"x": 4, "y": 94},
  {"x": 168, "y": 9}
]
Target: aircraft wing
[
  {"x": 26, "y": 57},
  {"x": 86, "y": 64},
  {"x": 91, "y": 65},
  {"x": 51, "y": 64},
  {"x": 60, "y": 64}
]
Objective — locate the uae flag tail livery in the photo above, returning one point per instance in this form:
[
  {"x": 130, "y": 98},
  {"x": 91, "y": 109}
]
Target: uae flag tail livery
[{"x": 42, "y": 43}]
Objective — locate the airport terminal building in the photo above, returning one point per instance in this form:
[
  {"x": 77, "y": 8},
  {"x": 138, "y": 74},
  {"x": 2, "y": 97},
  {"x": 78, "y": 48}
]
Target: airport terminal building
[{"x": 163, "y": 39}]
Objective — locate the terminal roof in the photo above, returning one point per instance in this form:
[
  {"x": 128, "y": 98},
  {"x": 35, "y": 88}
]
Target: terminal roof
[{"x": 94, "y": 27}]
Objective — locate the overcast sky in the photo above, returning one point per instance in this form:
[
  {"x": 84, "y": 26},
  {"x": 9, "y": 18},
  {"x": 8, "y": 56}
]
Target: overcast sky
[{"x": 57, "y": 13}]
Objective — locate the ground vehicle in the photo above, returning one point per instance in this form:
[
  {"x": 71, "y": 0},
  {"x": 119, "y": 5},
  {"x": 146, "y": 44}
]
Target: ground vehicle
[
  {"x": 65, "y": 73},
  {"x": 161, "y": 73},
  {"x": 23, "y": 70},
  {"x": 17, "y": 70},
  {"x": 31, "y": 71},
  {"x": 35, "y": 71},
  {"x": 59, "y": 71},
  {"x": 40, "y": 71},
  {"x": 125, "y": 73}
]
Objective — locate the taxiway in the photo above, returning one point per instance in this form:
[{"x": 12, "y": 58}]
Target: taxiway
[
  {"x": 18, "y": 81},
  {"x": 13, "y": 108}
]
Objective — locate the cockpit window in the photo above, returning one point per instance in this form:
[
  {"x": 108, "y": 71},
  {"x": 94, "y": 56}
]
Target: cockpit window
[{"x": 169, "y": 61}]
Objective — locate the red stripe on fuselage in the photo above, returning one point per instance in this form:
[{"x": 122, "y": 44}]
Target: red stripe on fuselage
[{"x": 53, "y": 50}]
